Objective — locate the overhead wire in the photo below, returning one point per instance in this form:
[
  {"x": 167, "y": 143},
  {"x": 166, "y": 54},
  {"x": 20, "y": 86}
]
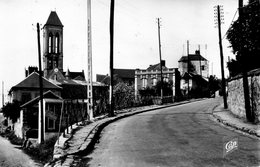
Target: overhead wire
[{"x": 230, "y": 25}]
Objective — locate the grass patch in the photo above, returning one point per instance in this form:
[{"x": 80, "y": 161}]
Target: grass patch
[{"x": 42, "y": 152}]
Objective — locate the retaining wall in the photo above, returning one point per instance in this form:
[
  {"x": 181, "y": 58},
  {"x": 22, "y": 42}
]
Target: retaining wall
[{"x": 236, "y": 102}]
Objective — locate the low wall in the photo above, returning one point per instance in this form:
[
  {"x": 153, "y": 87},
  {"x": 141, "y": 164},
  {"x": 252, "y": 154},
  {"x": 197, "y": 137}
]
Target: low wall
[{"x": 236, "y": 102}]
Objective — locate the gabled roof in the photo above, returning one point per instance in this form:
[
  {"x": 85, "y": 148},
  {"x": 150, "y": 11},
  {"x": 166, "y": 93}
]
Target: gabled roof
[
  {"x": 100, "y": 77},
  {"x": 192, "y": 57},
  {"x": 125, "y": 73},
  {"x": 48, "y": 94},
  {"x": 156, "y": 67},
  {"x": 32, "y": 82},
  {"x": 74, "y": 91},
  {"x": 53, "y": 20}
]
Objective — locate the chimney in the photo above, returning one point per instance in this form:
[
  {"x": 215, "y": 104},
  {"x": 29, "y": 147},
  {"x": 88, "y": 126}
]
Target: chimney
[
  {"x": 67, "y": 74},
  {"x": 163, "y": 63},
  {"x": 197, "y": 52}
]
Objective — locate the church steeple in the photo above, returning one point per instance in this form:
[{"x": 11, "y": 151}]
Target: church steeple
[{"x": 52, "y": 44}]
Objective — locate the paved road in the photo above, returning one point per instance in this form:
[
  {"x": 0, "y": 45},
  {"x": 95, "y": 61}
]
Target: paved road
[
  {"x": 177, "y": 136},
  {"x": 12, "y": 156}
]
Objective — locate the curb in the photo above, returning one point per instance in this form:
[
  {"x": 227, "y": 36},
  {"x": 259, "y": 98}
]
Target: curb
[
  {"x": 246, "y": 130},
  {"x": 94, "y": 134}
]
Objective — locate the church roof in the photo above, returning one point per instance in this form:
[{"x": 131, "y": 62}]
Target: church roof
[
  {"x": 53, "y": 20},
  {"x": 32, "y": 82}
]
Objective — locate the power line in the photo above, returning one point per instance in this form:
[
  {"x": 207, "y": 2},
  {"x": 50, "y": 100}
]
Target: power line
[{"x": 230, "y": 24}]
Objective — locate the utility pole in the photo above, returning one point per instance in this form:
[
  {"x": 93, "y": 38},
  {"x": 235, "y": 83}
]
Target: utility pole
[
  {"x": 111, "y": 98},
  {"x": 40, "y": 82},
  {"x": 160, "y": 55},
  {"x": 249, "y": 114},
  {"x": 221, "y": 57},
  {"x": 188, "y": 68},
  {"x": 3, "y": 95},
  {"x": 89, "y": 72},
  {"x": 200, "y": 62}
]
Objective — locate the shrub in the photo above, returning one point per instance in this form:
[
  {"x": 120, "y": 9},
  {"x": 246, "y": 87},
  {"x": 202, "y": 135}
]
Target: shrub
[{"x": 42, "y": 152}]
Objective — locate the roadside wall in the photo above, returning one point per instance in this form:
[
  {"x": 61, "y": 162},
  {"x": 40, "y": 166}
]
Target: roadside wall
[{"x": 236, "y": 94}]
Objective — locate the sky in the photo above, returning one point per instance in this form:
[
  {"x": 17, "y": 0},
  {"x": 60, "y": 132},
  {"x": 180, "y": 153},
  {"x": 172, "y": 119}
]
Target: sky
[{"x": 136, "y": 34}]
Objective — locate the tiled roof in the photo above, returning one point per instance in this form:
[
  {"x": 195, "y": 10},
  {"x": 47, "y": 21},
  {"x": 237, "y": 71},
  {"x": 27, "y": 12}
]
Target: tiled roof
[
  {"x": 74, "y": 91},
  {"x": 192, "y": 57},
  {"x": 156, "y": 67},
  {"x": 32, "y": 82},
  {"x": 48, "y": 94},
  {"x": 125, "y": 73},
  {"x": 53, "y": 20},
  {"x": 100, "y": 77},
  {"x": 75, "y": 75}
]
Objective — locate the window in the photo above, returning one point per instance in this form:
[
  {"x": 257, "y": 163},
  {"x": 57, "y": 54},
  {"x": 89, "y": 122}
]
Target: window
[
  {"x": 166, "y": 79},
  {"x": 154, "y": 81},
  {"x": 50, "y": 42},
  {"x": 51, "y": 124},
  {"x": 57, "y": 43},
  {"x": 202, "y": 67},
  {"x": 25, "y": 97},
  {"x": 50, "y": 66},
  {"x": 144, "y": 82}
]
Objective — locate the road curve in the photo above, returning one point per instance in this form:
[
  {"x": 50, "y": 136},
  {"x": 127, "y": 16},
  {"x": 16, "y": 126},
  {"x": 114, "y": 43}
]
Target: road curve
[{"x": 176, "y": 136}]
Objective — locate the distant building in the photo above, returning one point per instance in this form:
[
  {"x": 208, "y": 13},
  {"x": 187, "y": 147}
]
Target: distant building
[
  {"x": 126, "y": 76},
  {"x": 198, "y": 64},
  {"x": 197, "y": 77},
  {"x": 149, "y": 77}
]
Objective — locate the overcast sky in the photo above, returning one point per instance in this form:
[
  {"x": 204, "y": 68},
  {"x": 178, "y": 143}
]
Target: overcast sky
[{"x": 136, "y": 33}]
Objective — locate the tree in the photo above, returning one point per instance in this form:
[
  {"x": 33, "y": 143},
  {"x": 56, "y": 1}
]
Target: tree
[
  {"x": 12, "y": 110},
  {"x": 167, "y": 88},
  {"x": 244, "y": 36},
  {"x": 214, "y": 84}
]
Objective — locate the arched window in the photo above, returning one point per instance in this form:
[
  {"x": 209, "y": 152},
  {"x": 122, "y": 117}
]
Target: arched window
[
  {"x": 50, "y": 42},
  {"x": 57, "y": 43}
]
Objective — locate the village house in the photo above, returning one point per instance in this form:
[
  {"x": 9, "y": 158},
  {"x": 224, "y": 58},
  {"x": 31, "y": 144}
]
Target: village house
[
  {"x": 149, "y": 77},
  {"x": 196, "y": 79}
]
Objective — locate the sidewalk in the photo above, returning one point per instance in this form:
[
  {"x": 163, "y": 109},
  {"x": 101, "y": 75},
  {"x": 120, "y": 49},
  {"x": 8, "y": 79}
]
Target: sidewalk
[
  {"x": 83, "y": 140},
  {"x": 225, "y": 117}
]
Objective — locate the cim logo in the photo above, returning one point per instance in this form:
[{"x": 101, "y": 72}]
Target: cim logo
[{"x": 230, "y": 146}]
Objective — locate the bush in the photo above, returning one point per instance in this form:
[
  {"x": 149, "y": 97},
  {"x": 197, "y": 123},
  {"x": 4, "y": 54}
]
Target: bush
[
  {"x": 12, "y": 137},
  {"x": 42, "y": 152}
]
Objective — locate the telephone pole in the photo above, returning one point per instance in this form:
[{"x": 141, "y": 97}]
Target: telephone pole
[
  {"x": 111, "y": 98},
  {"x": 188, "y": 68},
  {"x": 249, "y": 114},
  {"x": 40, "y": 84},
  {"x": 160, "y": 55},
  {"x": 3, "y": 95},
  {"x": 89, "y": 72},
  {"x": 219, "y": 18}
]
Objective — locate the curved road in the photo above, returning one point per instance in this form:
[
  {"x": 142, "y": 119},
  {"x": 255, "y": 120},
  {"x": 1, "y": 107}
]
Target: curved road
[{"x": 177, "y": 136}]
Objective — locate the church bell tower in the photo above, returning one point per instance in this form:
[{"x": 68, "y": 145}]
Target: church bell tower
[{"x": 52, "y": 44}]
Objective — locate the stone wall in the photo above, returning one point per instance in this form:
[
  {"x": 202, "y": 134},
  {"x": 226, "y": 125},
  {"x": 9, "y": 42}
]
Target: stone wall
[{"x": 235, "y": 98}]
